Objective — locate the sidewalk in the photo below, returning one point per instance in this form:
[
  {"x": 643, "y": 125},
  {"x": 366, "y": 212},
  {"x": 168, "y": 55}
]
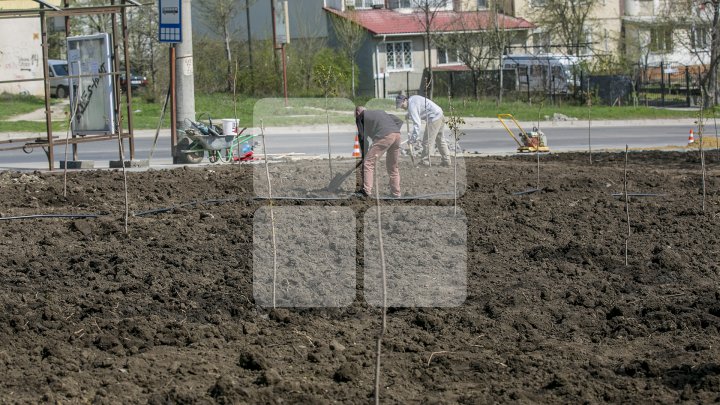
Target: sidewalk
[{"x": 470, "y": 123}]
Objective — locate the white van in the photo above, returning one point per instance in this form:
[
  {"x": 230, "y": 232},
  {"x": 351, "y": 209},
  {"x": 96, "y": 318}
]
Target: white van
[
  {"x": 550, "y": 73},
  {"x": 59, "y": 87}
]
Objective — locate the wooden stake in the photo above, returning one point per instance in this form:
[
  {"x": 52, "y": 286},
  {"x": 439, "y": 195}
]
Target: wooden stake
[
  {"x": 327, "y": 123},
  {"x": 67, "y": 133},
  {"x": 378, "y": 353},
  {"x": 627, "y": 206},
  {"x": 589, "y": 103},
  {"x": 272, "y": 214},
  {"x": 701, "y": 129},
  {"x": 717, "y": 143},
  {"x": 124, "y": 172}
]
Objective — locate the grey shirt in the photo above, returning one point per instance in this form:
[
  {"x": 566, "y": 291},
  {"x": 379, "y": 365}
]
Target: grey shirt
[{"x": 376, "y": 124}]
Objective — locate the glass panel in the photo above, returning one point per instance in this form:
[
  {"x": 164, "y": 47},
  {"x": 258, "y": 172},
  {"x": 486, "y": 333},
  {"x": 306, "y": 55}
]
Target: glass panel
[
  {"x": 442, "y": 56},
  {"x": 408, "y": 54}
]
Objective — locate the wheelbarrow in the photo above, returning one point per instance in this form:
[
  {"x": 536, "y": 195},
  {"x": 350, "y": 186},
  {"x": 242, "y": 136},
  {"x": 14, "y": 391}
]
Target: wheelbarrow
[{"x": 219, "y": 147}]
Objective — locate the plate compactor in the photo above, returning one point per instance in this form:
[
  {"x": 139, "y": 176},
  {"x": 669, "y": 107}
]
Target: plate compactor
[{"x": 532, "y": 141}]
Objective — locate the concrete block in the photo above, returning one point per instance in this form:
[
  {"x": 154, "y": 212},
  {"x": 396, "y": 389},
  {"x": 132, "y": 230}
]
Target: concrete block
[
  {"x": 117, "y": 164},
  {"x": 77, "y": 164}
]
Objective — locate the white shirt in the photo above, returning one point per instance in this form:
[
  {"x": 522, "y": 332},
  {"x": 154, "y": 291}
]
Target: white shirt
[{"x": 421, "y": 109}]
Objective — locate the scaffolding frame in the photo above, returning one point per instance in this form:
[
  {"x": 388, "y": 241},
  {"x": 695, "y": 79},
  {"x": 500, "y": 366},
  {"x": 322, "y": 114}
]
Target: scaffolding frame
[{"x": 48, "y": 10}]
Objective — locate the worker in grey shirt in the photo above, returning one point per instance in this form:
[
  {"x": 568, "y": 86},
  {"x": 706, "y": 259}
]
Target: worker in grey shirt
[
  {"x": 384, "y": 131},
  {"x": 421, "y": 109}
]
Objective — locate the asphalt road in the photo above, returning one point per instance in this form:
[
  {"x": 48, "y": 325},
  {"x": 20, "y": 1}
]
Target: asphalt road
[{"x": 483, "y": 141}]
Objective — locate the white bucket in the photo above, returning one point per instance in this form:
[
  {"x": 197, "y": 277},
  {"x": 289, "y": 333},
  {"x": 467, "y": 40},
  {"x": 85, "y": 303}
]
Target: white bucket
[{"x": 230, "y": 126}]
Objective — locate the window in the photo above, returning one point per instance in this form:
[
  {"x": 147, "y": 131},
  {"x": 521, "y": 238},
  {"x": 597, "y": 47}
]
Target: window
[
  {"x": 661, "y": 39},
  {"x": 359, "y": 4},
  {"x": 541, "y": 42},
  {"x": 399, "y": 55},
  {"x": 447, "y": 56},
  {"x": 482, "y": 4},
  {"x": 699, "y": 38},
  {"x": 400, "y": 4},
  {"x": 588, "y": 41},
  {"x": 537, "y": 70},
  {"x": 432, "y": 4},
  {"x": 522, "y": 72},
  {"x": 538, "y": 3}
]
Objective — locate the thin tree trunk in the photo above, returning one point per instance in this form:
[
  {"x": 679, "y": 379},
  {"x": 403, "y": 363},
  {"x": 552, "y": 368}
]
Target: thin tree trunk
[{"x": 228, "y": 56}]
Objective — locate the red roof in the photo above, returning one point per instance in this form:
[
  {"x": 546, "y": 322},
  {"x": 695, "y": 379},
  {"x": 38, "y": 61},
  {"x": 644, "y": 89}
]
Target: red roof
[{"x": 387, "y": 22}]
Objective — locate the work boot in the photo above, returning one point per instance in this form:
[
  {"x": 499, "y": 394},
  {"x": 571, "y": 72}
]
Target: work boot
[
  {"x": 360, "y": 194},
  {"x": 445, "y": 163}
]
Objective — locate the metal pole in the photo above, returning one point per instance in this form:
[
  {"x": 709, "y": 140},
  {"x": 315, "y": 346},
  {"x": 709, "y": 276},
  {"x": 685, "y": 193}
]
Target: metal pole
[
  {"x": 66, "y": 4},
  {"x": 173, "y": 104},
  {"x": 284, "y": 67},
  {"x": 407, "y": 83},
  {"x": 687, "y": 86},
  {"x": 128, "y": 94},
  {"x": 46, "y": 74},
  {"x": 662, "y": 84},
  {"x": 249, "y": 38},
  {"x": 274, "y": 33},
  {"x": 116, "y": 80},
  {"x": 184, "y": 74},
  {"x": 384, "y": 89},
  {"x": 527, "y": 77}
]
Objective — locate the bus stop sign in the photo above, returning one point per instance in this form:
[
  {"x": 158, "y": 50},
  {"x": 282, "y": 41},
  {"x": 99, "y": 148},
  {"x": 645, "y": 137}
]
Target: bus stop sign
[{"x": 170, "y": 12}]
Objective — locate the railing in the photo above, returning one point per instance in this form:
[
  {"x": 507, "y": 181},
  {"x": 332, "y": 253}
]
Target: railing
[
  {"x": 639, "y": 8},
  {"x": 335, "y": 4}
]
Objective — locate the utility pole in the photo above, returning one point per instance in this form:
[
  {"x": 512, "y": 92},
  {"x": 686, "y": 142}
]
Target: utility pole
[
  {"x": 250, "y": 56},
  {"x": 285, "y": 38},
  {"x": 185, "y": 83}
]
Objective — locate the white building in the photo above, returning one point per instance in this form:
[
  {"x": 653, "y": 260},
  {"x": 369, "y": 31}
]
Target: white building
[{"x": 21, "y": 50}]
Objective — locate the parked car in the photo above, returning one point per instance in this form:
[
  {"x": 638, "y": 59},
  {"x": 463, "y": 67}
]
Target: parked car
[
  {"x": 59, "y": 86},
  {"x": 550, "y": 73},
  {"x": 136, "y": 81}
]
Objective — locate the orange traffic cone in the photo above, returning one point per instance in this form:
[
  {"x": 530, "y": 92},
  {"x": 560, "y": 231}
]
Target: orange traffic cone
[
  {"x": 691, "y": 138},
  {"x": 356, "y": 148}
]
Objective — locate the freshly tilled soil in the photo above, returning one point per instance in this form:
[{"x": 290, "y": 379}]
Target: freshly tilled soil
[{"x": 165, "y": 313}]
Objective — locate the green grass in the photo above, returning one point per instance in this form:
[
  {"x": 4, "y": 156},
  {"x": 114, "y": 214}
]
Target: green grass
[
  {"x": 311, "y": 111},
  {"x": 30, "y": 126},
  {"x": 13, "y": 104},
  {"x": 525, "y": 112}
]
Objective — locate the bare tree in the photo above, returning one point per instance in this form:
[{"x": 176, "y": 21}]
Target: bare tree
[
  {"x": 500, "y": 39},
  {"x": 700, "y": 37},
  {"x": 305, "y": 49},
  {"x": 479, "y": 38},
  {"x": 218, "y": 16},
  {"x": 350, "y": 34},
  {"x": 428, "y": 11},
  {"x": 94, "y": 23},
  {"x": 567, "y": 19},
  {"x": 473, "y": 48},
  {"x": 142, "y": 38}
]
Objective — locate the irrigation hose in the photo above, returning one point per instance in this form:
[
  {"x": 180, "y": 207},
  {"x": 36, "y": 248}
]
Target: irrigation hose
[
  {"x": 209, "y": 201},
  {"x": 39, "y": 216}
]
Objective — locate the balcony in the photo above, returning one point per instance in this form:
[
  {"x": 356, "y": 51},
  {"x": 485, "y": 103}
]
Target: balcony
[{"x": 641, "y": 9}]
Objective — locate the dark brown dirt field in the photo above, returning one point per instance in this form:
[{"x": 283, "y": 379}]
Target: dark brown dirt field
[{"x": 166, "y": 313}]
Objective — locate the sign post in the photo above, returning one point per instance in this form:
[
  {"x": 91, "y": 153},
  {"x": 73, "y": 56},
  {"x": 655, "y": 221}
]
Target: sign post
[
  {"x": 170, "y": 27},
  {"x": 170, "y": 31},
  {"x": 281, "y": 34}
]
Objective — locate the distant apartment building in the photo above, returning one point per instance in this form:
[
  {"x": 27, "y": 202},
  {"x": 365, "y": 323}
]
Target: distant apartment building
[
  {"x": 394, "y": 57},
  {"x": 21, "y": 50},
  {"x": 602, "y": 31},
  {"x": 668, "y": 32}
]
